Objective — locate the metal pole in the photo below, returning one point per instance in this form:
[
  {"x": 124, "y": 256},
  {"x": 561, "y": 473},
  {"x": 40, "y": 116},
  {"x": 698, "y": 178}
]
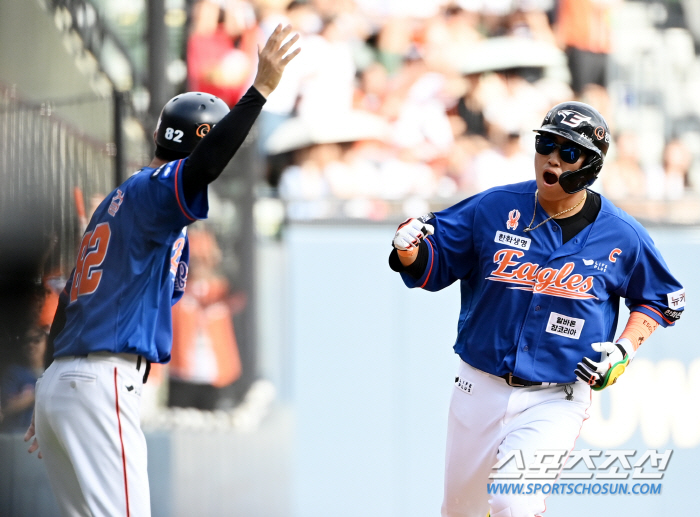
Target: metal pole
[
  {"x": 158, "y": 85},
  {"x": 119, "y": 151}
]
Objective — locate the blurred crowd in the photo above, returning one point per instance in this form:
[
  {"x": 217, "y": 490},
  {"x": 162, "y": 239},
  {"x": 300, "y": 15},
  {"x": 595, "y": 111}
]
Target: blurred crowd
[{"x": 394, "y": 106}]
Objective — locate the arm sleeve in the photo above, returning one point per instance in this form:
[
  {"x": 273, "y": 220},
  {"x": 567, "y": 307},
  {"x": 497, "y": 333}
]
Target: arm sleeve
[
  {"x": 213, "y": 153},
  {"x": 638, "y": 329},
  {"x": 651, "y": 288},
  {"x": 450, "y": 249}
]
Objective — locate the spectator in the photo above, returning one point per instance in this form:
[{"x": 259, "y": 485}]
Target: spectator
[
  {"x": 502, "y": 164},
  {"x": 452, "y": 32},
  {"x": 583, "y": 31},
  {"x": 625, "y": 178},
  {"x": 372, "y": 89},
  {"x": 205, "y": 354},
  {"x": 18, "y": 380},
  {"x": 670, "y": 179},
  {"x": 221, "y": 49},
  {"x": 470, "y": 107},
  {"x": 304, "y": 185}
]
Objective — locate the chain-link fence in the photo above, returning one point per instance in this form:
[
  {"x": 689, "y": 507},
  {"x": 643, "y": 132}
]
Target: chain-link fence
[{"x": 49, "y": 174}]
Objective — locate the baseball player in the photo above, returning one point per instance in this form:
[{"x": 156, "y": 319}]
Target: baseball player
[
  {"x": 114, "y": 316},
  {"x": 542, "y": 265}
]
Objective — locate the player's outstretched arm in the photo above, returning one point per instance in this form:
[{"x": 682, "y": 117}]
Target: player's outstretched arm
[
  {"x": 408, "y": 255},
  {"x": 210, "y": 157}
]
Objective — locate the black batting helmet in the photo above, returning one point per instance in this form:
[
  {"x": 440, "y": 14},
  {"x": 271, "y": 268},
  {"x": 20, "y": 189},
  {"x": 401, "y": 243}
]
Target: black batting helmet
[
  {"x": 186, "y": 118},
  {"x": 585, "y": 126}
]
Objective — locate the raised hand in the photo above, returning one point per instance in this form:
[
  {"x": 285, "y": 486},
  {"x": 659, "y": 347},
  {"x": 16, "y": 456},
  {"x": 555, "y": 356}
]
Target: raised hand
[{"x": 272, "y": 59}]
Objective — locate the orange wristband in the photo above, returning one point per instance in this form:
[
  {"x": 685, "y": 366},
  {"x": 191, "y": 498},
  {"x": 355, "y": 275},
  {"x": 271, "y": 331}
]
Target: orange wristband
[{"x": 639, "y": 327}]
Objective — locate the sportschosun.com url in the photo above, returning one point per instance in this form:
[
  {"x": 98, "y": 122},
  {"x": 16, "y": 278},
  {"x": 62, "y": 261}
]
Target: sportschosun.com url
[{"x": 575, "y": 488}]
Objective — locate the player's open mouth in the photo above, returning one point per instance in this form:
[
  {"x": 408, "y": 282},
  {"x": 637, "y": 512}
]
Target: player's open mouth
[{"x": 550, "y": 178}]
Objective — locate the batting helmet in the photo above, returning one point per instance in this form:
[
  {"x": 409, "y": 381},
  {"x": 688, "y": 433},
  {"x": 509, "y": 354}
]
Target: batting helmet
[
  {"x": 585, "y": 126},
  {"x": 186, "y": 118}
]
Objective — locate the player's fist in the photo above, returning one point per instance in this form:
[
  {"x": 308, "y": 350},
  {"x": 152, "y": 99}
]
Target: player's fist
[
  {"x": 410, "y": 233},
  {"x": 273, "y": 58},
  {"x": 615, "y": 359}
]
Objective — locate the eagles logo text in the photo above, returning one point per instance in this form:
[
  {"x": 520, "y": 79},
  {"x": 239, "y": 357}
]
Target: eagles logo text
[{"x": 532, "y": 277}]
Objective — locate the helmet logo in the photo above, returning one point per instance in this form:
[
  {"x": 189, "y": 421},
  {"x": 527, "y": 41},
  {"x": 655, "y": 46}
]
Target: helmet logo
[
  {"x": 599, "y": 133},
  {"x": 202, "y": 130},
  {"x": 572, "y": 118}
]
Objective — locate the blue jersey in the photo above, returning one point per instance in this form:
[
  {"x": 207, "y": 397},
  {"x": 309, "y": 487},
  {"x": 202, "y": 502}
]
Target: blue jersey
[
  {"x": 531, "y": 305},
  {"x": 131, "y": 268}
]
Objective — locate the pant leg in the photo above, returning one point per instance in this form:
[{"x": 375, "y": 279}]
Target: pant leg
[
  {"x": 92, "y": 424},
  {"x": 474, "y": 433},
  {"x": 539, "y": 419},
  {"x": 62, "y": 477}
]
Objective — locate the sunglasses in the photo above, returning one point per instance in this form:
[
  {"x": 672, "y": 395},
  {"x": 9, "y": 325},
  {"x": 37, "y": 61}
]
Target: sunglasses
[{"x": 568, "y": 151}]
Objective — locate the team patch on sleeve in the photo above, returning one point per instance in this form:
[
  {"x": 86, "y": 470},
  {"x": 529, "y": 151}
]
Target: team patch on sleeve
[
  {"x": 565, "y": 325},
  {"x": 673, "y": 315},
  {"x": 427, "y": 217},
  {"x": 676, "y": 300}
]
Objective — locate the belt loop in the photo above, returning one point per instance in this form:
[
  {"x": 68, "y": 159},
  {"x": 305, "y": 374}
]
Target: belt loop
[
  {"x": 138, "y": 363},
  {"x": 148, "y": 370}
]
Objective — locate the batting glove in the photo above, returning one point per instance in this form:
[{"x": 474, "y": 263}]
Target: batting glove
[
  {"x": 616, "y": 357},
  {"x": 410, "y": 233}
]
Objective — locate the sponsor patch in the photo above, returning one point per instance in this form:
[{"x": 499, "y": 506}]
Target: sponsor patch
[
  {"x": 676, "y": 300},
  {"x": 427, "y": 217},
  {"x": 464, "y": 385},
  {"x": 565, "y": 325},
  {"x": 600, "y": 266},
  {"x": 202, "y": 130},
  {"x": 673, "y": 315},
  {"x": 516, "y": 241}
]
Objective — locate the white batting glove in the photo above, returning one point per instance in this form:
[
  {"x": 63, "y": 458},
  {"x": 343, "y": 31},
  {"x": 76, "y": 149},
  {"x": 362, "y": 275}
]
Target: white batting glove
[
  {"x": 616, "y": 358},
  {"x": 410, "y": 233}
]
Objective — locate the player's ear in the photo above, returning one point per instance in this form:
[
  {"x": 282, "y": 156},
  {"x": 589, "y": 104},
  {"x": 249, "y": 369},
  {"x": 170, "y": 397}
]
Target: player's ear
[{"x": 154, "y": 136}]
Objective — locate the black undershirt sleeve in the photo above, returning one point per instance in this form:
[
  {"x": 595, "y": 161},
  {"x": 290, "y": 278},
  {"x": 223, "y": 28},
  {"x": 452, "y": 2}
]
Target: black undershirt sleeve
[
  {"x": 417, "y": 268},
  {"x": 212, "y": 154}
]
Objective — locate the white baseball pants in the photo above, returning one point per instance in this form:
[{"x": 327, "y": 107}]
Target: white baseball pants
[
  {"x": 487, "y": 420},
  {"x": 88, "y": 428}
]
